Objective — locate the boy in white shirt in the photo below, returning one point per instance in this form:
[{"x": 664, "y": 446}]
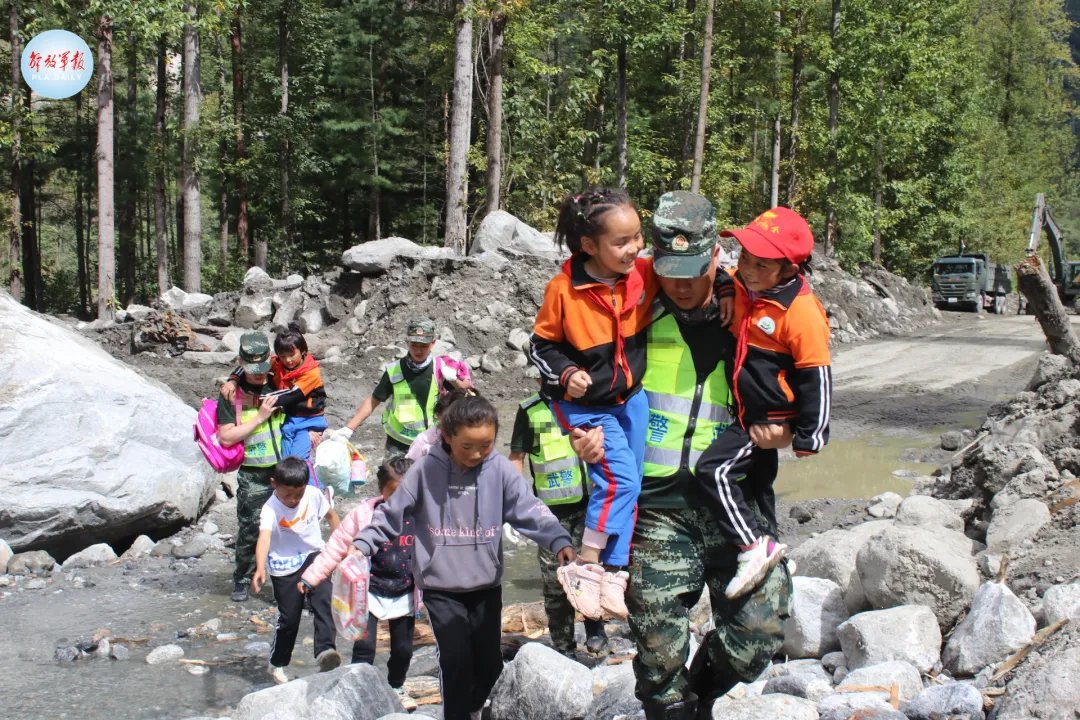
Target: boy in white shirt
[{"x": 289, "y": 540}]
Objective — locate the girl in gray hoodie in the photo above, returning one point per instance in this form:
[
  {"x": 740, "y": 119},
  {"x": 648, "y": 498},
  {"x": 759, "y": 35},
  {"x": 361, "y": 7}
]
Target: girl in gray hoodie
[{"x": 459, "y": 495}]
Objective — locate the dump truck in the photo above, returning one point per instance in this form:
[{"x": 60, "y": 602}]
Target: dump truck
[{"x": 969, "y": 281}]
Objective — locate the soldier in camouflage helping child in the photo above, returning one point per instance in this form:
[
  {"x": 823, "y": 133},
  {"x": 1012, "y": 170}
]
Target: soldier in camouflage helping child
[{"x": 679, "y": 550}]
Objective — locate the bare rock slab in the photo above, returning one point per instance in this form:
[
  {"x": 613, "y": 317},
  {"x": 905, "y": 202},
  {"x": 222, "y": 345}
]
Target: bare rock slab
[
  {"x": 353, "y": 692},
  {"x": 925, "y": 511},
  {"x": 909, "y": 633},
  {"x": 764, "y": 707},
  {"x": 906, "y": 565},
  {"x": 997, "y": 625},
  {"x": 1014, "y": 523},
  {"x": 541, "y": 684},
  {"x": 817, "y": 609}
]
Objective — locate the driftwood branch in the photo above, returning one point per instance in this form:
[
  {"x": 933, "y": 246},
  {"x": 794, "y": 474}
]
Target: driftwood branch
[{"x": 1033, "y": 281}]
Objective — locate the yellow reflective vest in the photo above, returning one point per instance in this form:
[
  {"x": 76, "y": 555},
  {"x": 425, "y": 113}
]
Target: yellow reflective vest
[
  {"x": 404, "y": 418},
  {"x": 262, "y": 448},
  {"x": 557, "y": 473},
  {"x": 685, "y": 416}
]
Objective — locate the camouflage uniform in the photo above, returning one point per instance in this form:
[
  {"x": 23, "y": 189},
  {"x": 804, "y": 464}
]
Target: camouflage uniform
[
  {"x": 677, "y": 554},
  {"x": 560, "y": 613},
  {"x": 678, "y": 550},
  {"x": 252, "y": 492}
]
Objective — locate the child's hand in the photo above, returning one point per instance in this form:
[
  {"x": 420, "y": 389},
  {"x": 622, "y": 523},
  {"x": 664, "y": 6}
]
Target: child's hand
[
  {"x": 566, "y": 555},
  {"x": 727, "y": 310},
  {"x": 228, "y": 390},
  {"x": 578, "y": 384},
  {"x": 257, "y": 580},
  {"x": 267, "y": 407}
]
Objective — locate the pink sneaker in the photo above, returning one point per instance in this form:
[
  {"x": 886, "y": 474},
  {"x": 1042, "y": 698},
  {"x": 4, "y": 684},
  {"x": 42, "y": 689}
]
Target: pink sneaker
[
  {"x": 613, "y": 593},
  {"x": 582, "y": 582},
  {"x": 754, "y": 565}
]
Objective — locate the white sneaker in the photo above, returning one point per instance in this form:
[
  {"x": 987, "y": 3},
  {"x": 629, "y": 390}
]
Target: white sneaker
[
  {"x": 406, "y": 699},
  {"x": 277, "y": 674},
  {"x": 754, "y": 565}
]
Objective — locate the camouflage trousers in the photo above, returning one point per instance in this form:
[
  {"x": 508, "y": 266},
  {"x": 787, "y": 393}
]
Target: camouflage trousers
[
  {"x": 676, "y": 555},
  {"x": 559, "y": 611},
  {"x": 252, "y": 492}
]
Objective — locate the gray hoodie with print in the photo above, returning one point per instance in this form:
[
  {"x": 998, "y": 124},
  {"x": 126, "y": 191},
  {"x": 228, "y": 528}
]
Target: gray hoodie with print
[{"x": 458, "y": 516}]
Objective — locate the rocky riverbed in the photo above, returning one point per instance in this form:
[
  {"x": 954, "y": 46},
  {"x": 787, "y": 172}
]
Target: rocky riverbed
[{"x": 902, "y": 606}]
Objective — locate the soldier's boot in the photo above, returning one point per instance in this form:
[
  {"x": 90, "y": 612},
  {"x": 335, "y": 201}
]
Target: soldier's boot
[
  {"x": 703, "y": 683},
  {"x": 683, "y": 710}
]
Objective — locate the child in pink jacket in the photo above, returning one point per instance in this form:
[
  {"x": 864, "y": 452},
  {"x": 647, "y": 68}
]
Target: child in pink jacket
[{"x": 392, "y": 593}]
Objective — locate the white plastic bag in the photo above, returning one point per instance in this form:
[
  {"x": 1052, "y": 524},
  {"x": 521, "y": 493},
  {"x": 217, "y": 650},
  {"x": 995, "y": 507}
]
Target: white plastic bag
[
  {"x": 349, "y": 598},
  {"x": 333, "y": 462}
]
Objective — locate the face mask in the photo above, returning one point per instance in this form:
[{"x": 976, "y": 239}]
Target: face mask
[
  {"x": 421, "y": 366},
  {"x": 697, "y": 316}
]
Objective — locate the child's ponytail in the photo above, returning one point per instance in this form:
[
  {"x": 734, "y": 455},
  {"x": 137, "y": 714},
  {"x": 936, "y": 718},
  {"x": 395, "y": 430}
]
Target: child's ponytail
[{"x": 581, "y": 215}]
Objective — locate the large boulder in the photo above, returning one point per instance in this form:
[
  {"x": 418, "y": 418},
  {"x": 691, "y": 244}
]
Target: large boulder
[
  {"x": 997, "y": 625},
  {"x": 943, "y": 701},
  {"x": 93, "y": 451},
  {"x": 254, "y": 310},
  {"x": 353, "y": 692},
  {"x": 502, "y": 232},
  {"x": 925, "y": 511},
  {"x": 832, "y": 554},
  {"x": 376, "y": 256},
  {"x": 1046, "y": 685},
  {"x": 817, "y": 609},
  {"x": 908, "y": 565},
  {"x": 1015, "y": 523},
  {"x": 897, "y": 673},
  {"x": 764, "y": 707},
  {"x": 194, "y": 306},
  {"x": 909, "y": 633},
  {"x": 1062, "y": 601},
  {"x": 614, "y": 693},
  {"x": 541, "y": 684}
]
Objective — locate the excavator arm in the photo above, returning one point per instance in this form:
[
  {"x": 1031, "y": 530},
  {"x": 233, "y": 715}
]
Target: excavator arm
[{"x": 1041, "y": 220}]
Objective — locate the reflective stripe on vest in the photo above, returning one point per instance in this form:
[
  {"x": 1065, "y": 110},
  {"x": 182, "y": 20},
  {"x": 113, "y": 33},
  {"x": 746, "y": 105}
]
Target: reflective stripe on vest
[
  {"x": 404, "y": 418},
  {"x": 556, "y": 469},
  {"x": 262, "y": 448},
  {"x": 684, "y": 416}
]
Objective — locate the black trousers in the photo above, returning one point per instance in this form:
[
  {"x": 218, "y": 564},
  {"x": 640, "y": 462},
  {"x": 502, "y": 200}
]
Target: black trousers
[
  {"x": 731, "y": 472},
  {"x": 468, "y": 636},
  {"x": 290, "y": 602},
  {"x": 401, "y": 646}
]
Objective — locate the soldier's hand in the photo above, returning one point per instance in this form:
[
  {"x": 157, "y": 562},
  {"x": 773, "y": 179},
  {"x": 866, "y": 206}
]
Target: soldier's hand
[
  {"x": 588, "y": 443},
  {"x": 727, "y": 310},
  {"x": 267, "y": 407}
]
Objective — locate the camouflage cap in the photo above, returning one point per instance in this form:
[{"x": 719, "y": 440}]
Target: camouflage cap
[
  {"x": 255, "y": 353},
  {"x": 684, "y": 234},
  {"x": 420, "y": 330}
]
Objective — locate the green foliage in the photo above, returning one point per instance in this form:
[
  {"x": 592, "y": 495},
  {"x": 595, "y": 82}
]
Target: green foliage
[{"x": 953, "y": 114}]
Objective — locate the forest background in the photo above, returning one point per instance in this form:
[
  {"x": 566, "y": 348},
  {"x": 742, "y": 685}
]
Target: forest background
[{"x": 218, "y": 135}]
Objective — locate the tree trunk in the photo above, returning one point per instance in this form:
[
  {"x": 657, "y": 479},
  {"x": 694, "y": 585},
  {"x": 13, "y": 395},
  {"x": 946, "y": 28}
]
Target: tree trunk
[
  {"x": 14, "y": 279},
  {"x": 161, "y": 229},
  {"x": 80, "y": 233},
  {"x": 796, "y": 99},
  {"x": 457, "y": 179},
  {"x": 223, "y": 153},
  {"x": 774, "y": 179},
  {"x": 128, "y": 192},
  {"x": 1035, "y": 284},
  {"x": 191, "y": 189},
  {"x": 875, "y": 251},
  {"x": 834, "y": 125},
  {"x": 243, "y": 248},
  {"x": 495, "y": 110},
  {"x": 105, "y": 209},
  {"x": 620, "y": 110},
  {"x": 703, "y": 99},
  {"x": 374, "y": 215},
  {"x": 31, "y": 248},
  {"x": 283, "y": 67}
]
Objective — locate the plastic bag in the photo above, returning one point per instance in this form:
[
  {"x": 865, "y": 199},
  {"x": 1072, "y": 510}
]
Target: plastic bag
[
  {"x": 349, "y": 597},
  {"x": 333, "y": 461}
]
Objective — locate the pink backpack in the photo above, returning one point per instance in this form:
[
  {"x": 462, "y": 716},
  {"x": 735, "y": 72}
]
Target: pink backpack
[
  {"x": 458, "y": 366},
  {"x": 222, "y": 459}
]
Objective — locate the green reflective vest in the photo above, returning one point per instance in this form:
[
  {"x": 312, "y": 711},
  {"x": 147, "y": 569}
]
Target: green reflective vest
[
  {"x": 262, "y": 448},
  {"x": 404, "y": 418},
  {"x": 556, "y": 469},
  {"x": 685, "y": 416}
]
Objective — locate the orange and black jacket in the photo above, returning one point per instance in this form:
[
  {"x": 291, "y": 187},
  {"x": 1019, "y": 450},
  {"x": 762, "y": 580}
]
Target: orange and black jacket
[
  {"x": 585, "y": 325},
  {"x": 304, "y": 392},
  {"x": 782, "y": 363}
]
